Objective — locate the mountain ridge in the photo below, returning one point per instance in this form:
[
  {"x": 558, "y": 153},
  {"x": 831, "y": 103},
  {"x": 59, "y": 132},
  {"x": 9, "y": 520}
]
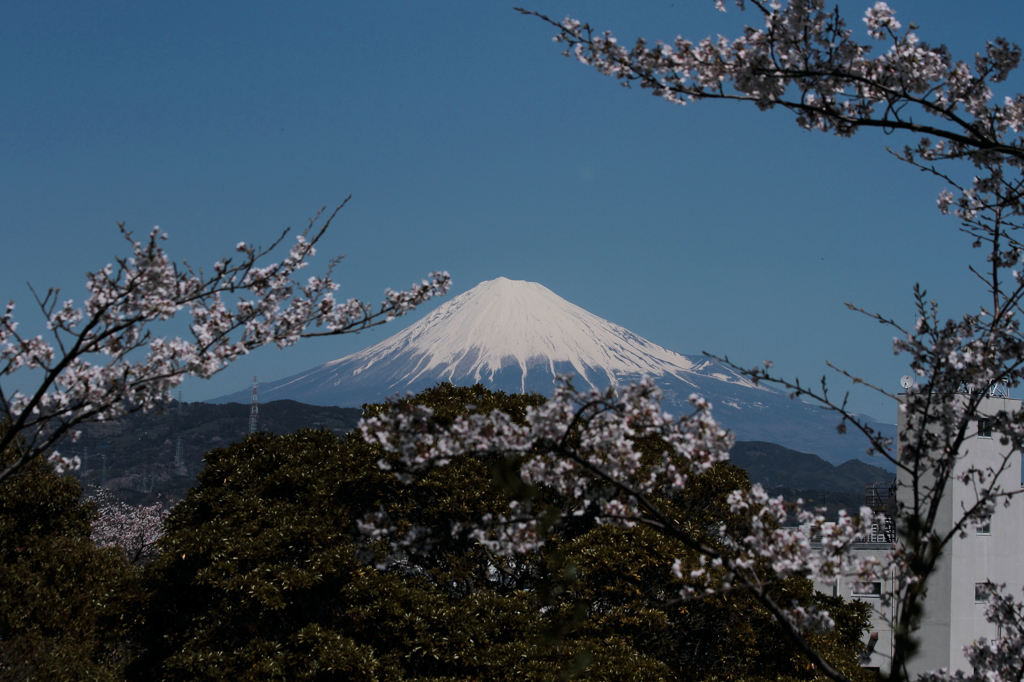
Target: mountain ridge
[
  {"x": 518, "y": 336},
  {"x": 136, "y": 455}
]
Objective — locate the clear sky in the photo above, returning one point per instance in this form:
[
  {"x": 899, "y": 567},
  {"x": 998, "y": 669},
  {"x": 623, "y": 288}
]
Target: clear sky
[{"x": 470, "y": 144}]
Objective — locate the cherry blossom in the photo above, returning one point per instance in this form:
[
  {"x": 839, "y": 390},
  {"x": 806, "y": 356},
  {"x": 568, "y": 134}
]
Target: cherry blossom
[
  {"x": 586, "y": 446},
  {"x": 1001, "y": 658},
  {"x": 106, "y": 355},
  {"x": 135, "y": 529}
]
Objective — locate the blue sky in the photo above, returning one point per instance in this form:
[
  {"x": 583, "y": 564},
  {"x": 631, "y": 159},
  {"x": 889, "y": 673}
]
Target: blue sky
[{"x": 469, "y": 144}]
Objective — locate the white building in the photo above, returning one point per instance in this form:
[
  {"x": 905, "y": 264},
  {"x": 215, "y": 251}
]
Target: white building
[
  {"x": 879, "y": 638},
  {"x": 954, "y": 609}
]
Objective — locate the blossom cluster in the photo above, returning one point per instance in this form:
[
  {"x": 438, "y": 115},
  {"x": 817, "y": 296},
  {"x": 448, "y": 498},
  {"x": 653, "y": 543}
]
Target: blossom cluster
[
  {"x": 612, "y": 454},
  {"x": 107, "y": 355},
  {"x": 573, "y": 444},
  {"x": 1001, "y": 657},
  {"x": 804, "y": 57},
  {"x": 133, "y": 528}
]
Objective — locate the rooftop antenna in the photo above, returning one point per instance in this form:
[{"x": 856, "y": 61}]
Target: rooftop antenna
[{"x": 254, "y": 407}]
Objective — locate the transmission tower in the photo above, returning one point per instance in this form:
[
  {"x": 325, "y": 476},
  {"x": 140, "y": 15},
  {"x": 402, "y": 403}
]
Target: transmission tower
[
  {"x": 254, "y": 408},
  {"x": 179, "y": 450},
  {"x": 179, "y": 455},
  {"x": 179, "y": 458}
]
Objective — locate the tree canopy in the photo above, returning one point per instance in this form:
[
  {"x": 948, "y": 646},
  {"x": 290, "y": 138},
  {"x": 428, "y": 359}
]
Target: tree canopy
[
  {"x": 269, "y": 570},
  {"x": 65, "y": 605}
]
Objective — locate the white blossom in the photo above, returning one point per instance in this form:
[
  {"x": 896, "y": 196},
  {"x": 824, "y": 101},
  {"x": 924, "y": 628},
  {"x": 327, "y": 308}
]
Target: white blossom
[
  {"x": 133, "y": 528},
  {"x": 106, "y": 356}
]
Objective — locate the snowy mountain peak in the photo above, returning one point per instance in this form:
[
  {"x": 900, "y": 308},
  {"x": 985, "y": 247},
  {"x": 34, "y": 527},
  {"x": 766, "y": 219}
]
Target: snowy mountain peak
[
  {"x": 517, "y": 336},
  {"x": 504, "y": 324}
]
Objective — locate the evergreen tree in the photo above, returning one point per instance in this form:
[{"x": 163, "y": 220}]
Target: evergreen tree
[
  {"x": 65, "y": 604},
  {"x": 268, "y": 571}
]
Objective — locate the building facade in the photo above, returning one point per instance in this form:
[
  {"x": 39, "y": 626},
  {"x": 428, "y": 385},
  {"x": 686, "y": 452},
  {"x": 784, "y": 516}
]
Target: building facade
[{"x": 987, "y": 550}]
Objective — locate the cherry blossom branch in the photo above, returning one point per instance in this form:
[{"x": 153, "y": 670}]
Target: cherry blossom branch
[
  {"x": 584, "y": 447},
  {"x": 805, "y": 47},
  {"x": 107, "y": 356}
]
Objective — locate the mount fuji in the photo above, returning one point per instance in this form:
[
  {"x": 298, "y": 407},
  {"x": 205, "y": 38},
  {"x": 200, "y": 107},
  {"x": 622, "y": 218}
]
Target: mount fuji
[{"x": 517, "y": 336}]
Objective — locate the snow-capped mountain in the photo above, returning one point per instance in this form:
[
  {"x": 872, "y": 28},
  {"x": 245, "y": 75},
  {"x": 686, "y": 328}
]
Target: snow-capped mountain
[{"x": 517, "y": 336}]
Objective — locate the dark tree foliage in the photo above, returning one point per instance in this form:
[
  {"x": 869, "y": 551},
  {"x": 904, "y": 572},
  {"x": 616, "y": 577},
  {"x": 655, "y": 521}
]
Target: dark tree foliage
[
  {"x": 621, "y": 578},
  {"x": 727, "y": 636},
  {"x": 65, "y": 604},
  {"x": 265, "y": 574}
]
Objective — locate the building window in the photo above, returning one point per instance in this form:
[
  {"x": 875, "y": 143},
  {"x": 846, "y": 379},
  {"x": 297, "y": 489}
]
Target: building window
[
  {"x": 985, "y": 428},
  {"x": 984, "y": 526},
  {"x": 871, "y": 589},
  {"x": 980, "y": 593}
]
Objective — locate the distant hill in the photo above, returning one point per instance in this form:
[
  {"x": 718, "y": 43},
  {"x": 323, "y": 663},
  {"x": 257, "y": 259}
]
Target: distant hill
[
  {"x": 774, "y": 466},
  {"x": 137, "y": 455},
  {"x": 802, "y": 475}
]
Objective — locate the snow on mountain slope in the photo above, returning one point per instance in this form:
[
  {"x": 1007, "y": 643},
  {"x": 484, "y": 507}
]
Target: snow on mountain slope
[
  {"x": 506, "y": 323},
  {"x": 517, "y": 336}
]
